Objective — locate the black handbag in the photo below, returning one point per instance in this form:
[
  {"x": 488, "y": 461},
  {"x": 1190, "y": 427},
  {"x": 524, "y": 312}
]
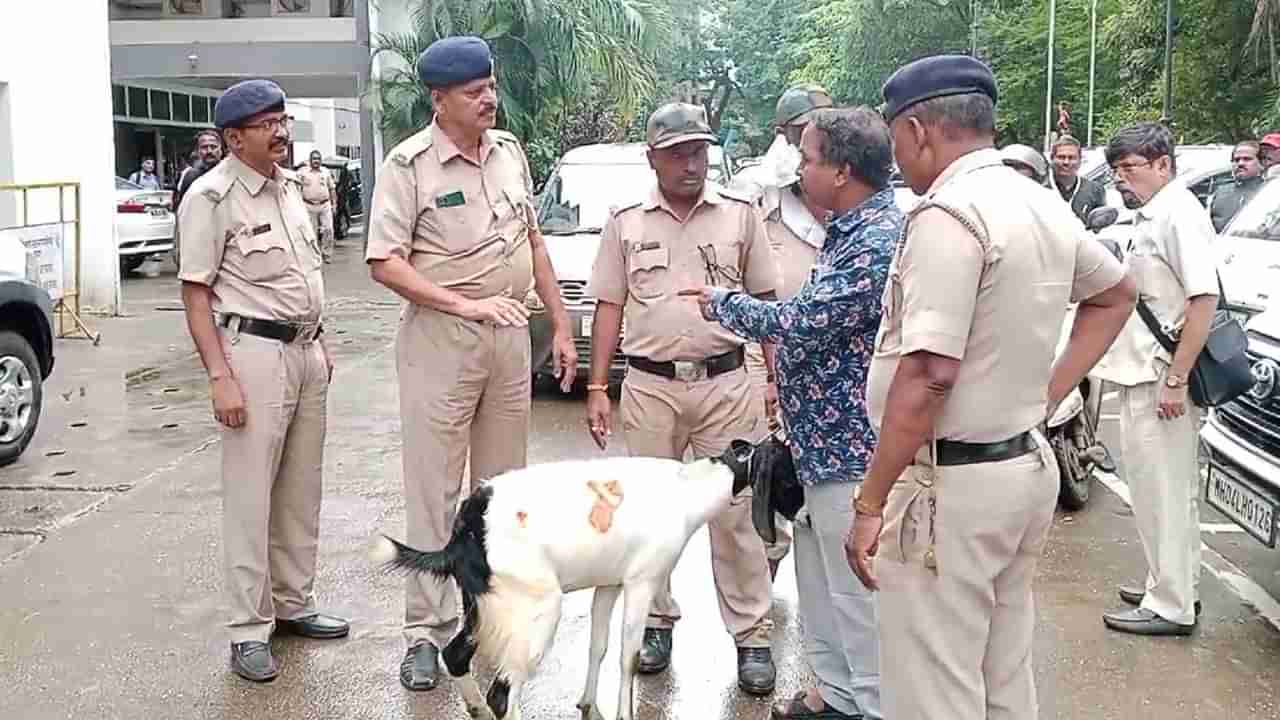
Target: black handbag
[{"x": 1222, "y": 371}]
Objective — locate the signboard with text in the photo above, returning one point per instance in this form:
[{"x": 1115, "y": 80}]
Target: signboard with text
[{"x": 45, "y": 247}]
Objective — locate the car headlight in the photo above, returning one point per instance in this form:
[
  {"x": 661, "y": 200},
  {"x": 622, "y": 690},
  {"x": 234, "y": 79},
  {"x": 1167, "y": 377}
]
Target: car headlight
[{"x": 533, "y": 302}]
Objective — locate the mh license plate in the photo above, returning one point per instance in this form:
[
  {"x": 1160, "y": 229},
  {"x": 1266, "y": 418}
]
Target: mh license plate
[
  {"x": 585, "y": 331},
  {"x": 1247, "y": 507}
]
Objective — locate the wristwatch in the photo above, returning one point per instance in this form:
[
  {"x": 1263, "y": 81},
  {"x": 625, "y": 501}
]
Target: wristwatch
[{"x": 1174, "y": 381}]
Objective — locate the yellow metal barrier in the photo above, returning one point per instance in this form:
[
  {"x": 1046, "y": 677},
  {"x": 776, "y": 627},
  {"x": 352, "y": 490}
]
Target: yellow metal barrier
[{"x": 66, "y": 308}]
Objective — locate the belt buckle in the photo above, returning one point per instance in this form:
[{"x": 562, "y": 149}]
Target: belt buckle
[
  {"x": 690, "y": 370},
  {"x": 306, "y": 332}
]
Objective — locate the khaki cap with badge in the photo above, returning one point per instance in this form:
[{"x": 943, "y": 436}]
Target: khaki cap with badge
[
  {"x": 797, "y": 102},
  {"x": 677, "y": 123}
]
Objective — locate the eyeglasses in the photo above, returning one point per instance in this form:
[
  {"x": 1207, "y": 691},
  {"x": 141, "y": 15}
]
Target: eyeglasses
[
  {"x": 1128, "y": 168},
  {"x": 715, "y": 271},
  {"x": 272, "y": 124}
]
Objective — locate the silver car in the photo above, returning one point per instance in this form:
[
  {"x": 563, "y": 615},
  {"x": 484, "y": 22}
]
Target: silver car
[{"x": 586, "y": 184}]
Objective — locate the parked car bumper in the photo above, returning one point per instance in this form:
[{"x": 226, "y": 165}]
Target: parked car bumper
[
  {"x": 580, "y": 319},
  {"x": 1243, "y": 483},
  {"x": 144, "y": 235}
]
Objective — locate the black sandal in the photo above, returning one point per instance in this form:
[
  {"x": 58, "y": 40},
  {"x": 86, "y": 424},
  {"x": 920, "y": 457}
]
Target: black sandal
[{"x": 795, "y": 709}]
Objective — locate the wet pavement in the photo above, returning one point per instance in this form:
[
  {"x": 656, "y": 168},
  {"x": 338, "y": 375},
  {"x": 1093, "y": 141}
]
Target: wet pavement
[{"x": 110, "y": 603}]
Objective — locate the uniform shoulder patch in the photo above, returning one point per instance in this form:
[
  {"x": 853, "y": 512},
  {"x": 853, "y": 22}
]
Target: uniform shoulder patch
[
  {"x": 503, "y": 136},
  {"x": 213, "y": 185},
  {"x": 734, "y": 194},
  {"x": 619, "y": 209},
  {"x": 406, "y": 151}
]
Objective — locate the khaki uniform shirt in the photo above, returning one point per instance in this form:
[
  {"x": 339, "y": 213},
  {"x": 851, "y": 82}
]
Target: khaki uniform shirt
[
  {"x": 991, "y": 292},
  {"x": 647, "y": 255},
  {"x": 1172, "y": 259},
  {"x": 249, "y": 238},
  {"x": 316, "y": 184},
  {"x": 463, "y": 226},
  {"x": 794, "y": 235}
]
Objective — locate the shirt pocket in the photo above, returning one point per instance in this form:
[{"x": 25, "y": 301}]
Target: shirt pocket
[
  {"x": 647, "y": 272},
  {"x": 265, "y": 254},
  {"x": 513, "y": 213}
]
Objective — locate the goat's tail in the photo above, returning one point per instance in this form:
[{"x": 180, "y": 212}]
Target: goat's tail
[{"x": 392, "y": 555}]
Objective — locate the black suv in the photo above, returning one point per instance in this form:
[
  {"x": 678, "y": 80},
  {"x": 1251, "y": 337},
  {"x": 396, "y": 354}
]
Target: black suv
[{"x": 26, "y": 359}]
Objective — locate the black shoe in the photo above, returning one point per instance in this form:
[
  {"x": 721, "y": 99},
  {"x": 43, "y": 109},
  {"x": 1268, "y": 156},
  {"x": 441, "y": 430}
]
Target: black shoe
[
  {"x": 317, "y": 626},
  {"x": 1106, "y": 463},
  {"x": 756, "y": 673},
  {"x": 252, "y": 660},
  {"x": 420, "y": 667},
  {"x": 1141, "y": 621},
  {"x": 655, "y": 653},
  {"x": 1134, "y": 597},
  {"x": 795, "y": 709}
]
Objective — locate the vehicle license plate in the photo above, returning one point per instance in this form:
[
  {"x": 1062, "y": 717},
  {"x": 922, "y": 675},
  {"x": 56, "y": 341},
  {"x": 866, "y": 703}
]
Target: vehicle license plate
[
  {"x": 586, "y": 325},
  {"x": 1247, "y": 507},
  {"x": 159, "y": 212}
]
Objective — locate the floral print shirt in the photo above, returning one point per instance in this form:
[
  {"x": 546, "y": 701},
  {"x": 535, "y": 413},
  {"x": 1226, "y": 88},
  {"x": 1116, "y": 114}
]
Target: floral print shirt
[{"x": 825, "y": 337}]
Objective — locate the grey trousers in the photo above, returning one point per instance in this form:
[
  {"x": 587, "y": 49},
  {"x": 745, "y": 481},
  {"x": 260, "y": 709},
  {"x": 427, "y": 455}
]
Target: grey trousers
[{"x": 838, "y": 614}]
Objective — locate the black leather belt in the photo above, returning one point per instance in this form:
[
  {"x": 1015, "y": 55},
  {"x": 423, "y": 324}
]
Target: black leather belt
[
  {"x": 270, "y": 329},
  {"x": 684, "y": 370},
  {"x": 953, "y": 452},
  {"x": 315, "y": 202}
]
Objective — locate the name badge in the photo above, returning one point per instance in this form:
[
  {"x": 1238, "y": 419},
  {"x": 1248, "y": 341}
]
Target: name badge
[
  {"x": 261, "y": 229},
  {"x": 452, "y": 199},
  {"x": 650, "y": 245}
]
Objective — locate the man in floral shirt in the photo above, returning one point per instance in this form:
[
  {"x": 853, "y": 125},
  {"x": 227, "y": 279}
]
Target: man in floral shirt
[{"x": 825, "y": 336}]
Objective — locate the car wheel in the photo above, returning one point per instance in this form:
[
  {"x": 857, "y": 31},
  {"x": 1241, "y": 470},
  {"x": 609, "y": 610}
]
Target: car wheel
[
  {"x": 21, "y": 395},
  {"x": 129, "y": 263}
]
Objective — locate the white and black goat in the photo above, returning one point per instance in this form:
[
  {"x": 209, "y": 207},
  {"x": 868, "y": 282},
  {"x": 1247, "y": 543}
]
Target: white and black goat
[{"x": 525, "y": 538}]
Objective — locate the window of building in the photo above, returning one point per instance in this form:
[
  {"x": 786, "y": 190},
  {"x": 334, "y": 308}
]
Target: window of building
[
  {"x": 138, "y": 106},
  {"x": 160, "y": 105},
  {"x": 199, "y": 109},
  {"x": 351, "y": 152},
  {"x": 118, "y": 104},
  {"x": 181, "y": 107}
]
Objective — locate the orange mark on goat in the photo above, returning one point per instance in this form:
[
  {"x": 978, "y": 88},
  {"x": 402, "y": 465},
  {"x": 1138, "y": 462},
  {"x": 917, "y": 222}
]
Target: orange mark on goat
[
  {"x": 608, "y": 498},
  {"x": 522, "y": 517}
]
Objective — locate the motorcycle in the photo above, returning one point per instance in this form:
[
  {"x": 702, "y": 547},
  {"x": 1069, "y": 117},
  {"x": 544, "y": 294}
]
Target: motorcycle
[{"x": 1072, "y": 429}]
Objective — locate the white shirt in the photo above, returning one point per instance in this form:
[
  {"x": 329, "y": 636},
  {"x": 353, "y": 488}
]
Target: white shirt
[{"x": 1172, "y": 259}]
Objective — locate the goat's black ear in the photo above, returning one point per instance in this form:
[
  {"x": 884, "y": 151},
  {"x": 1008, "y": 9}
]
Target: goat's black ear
[{"x": 738, "y": 458}]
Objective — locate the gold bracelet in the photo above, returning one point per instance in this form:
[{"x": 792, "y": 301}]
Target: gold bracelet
[
  {"x": 592, "y": 387},
  {"x": 862, "y": 508}
]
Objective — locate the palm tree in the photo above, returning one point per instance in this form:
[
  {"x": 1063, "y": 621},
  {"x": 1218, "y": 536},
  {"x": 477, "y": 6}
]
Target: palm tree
[{"x": 546, "y": 52}]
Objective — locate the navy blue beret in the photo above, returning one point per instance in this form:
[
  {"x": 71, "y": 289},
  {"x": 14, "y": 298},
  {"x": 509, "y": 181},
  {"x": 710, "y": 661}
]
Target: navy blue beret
[
  {"x": 934, "y": 77},
  {"x": 246, "y": 99},
  {"x": 453, "y": 60}
]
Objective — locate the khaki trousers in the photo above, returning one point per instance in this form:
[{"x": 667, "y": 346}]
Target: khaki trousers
[
  {"x": 322, "y": 223},
  {"x": 664, "y": 418},
  {"x": 1160, "y": 462},
  {"x": 955, "y": 643},
  {"x": 464, "y": 386},
  {"x": 759, "y": 374},
  {"x": 271, "y": 482}
]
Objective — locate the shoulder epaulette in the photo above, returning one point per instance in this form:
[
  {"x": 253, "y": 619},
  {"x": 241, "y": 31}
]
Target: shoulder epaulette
[
  {"x": 619, "y": 209},
  {"x": 406, "y": 151},
  {"x": 503, "y": 136},
  {"x": 734, "y": 195},
  {"x": 213, "y": 185}
]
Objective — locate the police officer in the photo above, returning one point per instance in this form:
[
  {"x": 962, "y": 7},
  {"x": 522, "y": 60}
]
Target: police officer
[
  {"x": 794, "y": 224},
  {"x": 453, "y": 231},
  {"x": 254, "y": 298},
  {"x": 320, "y": 194},
  {"x": 686, "y": 386},
  {"x": 961, "y": 491}
]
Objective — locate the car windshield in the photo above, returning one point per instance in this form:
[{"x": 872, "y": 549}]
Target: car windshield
[
  {"x": 1260, "y": 219},
  {"x": 122, "y": 184},
  {"x": 578, "y": 198}
]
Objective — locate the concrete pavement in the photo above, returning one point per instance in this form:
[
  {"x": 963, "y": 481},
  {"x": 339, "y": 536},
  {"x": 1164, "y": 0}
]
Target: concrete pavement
[{"x": 111, "y": 605}]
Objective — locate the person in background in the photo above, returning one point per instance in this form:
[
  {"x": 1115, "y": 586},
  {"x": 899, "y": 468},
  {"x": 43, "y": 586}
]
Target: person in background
[
  {"x": 1270, "y": 147},
  {"x": 145, "y": 176},
  {"x": 208, "y": 153},
  {"x": 1027, "y": 161},
  {"x": 1246, "y": 170},
  {"x": 824, "y": 335},
  {"x": 1081, "y": 193},
  {"x": 320, "y": 193},
  {"x": 1171, "y": 255}
]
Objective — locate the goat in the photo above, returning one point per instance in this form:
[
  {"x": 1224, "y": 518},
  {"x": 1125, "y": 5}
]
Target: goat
[{"x": 524, "y": 538}]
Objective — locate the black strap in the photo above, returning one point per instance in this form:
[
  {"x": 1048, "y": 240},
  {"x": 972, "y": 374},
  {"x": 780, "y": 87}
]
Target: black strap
[{"x": 1153, "y": 324}]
